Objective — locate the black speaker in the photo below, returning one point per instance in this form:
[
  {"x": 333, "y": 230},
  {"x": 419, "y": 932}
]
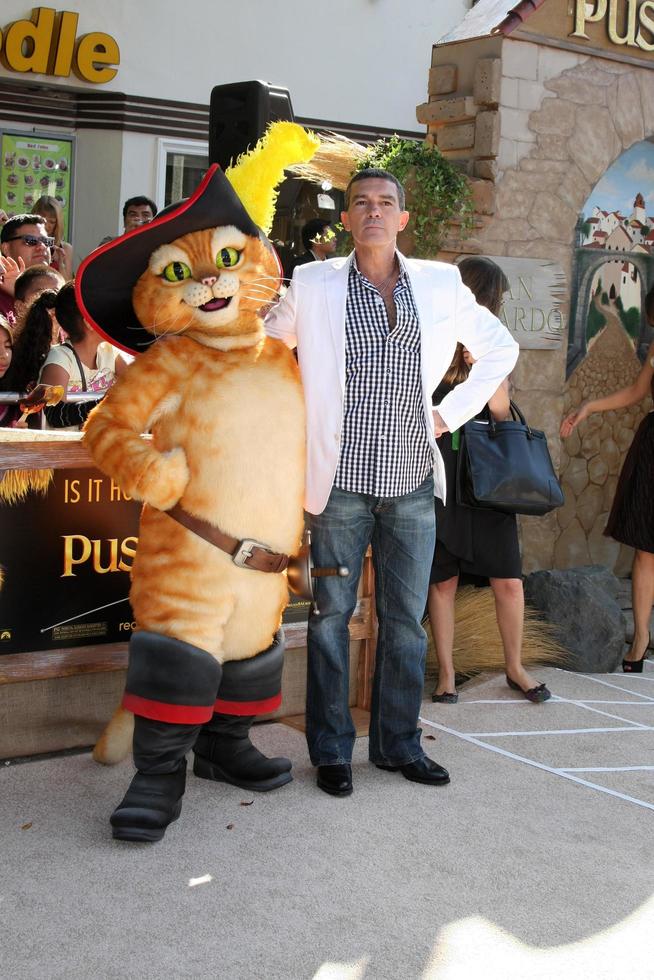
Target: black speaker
[{"x": 238, "y": 115}]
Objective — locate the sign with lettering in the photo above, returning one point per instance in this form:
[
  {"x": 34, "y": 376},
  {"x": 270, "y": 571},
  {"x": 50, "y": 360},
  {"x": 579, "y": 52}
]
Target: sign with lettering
[
  {"x": 531, "y": 307},
  {"x": 66, "y": 558},
  {"x": 626, "y": 22},
  {"x": 48, "y": 45},
  {"x": 33, "y": 165}
]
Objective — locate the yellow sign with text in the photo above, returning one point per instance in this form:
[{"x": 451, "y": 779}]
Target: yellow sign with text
[
  {"x": 628, "y": 22},
  {"x": 48, "y": 45}
]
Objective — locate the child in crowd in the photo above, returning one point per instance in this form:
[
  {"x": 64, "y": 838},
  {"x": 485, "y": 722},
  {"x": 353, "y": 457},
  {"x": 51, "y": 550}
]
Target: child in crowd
[
  {"x": 84, "y": 362},
  {"x": 8, "y": 413},
  {"x": 30, "y": 284}
]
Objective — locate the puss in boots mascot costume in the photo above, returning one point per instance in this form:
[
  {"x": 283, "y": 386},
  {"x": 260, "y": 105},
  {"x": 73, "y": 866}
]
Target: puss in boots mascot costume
[{"x": 221, "y": 479}]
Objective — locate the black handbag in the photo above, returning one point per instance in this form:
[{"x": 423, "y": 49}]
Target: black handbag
[{"x": 506, "y": 466}]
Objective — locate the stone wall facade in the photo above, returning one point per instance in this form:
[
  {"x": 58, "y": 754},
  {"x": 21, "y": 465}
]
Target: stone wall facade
[{"x": 537, "y": 128}]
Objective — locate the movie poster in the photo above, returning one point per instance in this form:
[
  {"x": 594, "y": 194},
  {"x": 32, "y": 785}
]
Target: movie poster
[{"x": 66, "y": 557}]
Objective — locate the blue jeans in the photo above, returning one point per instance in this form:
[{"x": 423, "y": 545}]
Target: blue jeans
[{"x": 402, "y": 533}]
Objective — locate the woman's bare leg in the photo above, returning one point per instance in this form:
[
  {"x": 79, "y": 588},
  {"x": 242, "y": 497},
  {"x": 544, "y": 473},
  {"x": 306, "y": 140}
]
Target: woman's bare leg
[
  {"x": 642, "y": 598},
  {"x": 440, "y": 606},
  {"x": 510, "y": 612}
]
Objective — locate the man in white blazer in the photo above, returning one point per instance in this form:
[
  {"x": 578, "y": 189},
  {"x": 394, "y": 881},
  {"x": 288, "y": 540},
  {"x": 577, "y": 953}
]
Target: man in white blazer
[{"x": 375, "y": 333}]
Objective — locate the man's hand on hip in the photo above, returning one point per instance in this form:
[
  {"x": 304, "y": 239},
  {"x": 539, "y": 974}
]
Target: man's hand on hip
[{"x": 439, "y": 425}]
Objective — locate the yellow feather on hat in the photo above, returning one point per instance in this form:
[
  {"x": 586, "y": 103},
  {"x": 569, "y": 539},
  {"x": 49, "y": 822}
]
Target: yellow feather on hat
[{"x": 256, "y": 173}]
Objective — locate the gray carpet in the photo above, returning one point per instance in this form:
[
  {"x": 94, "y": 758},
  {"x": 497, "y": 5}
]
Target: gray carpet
[{"x": 525, "y": 866}]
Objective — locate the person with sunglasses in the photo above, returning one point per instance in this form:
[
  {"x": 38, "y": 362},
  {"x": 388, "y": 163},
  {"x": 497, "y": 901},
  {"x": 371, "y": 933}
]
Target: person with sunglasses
[{"x": 23, "y": 243}]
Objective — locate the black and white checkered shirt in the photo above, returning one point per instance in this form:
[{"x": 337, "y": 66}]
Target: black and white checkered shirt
[{"x": 385, "y": 450}]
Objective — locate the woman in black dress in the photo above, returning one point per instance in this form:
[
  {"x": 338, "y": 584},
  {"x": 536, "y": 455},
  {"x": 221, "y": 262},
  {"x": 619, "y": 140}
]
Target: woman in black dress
[
  {"x": 631, "y": 520},
  {"x": 475, "y": 542}
]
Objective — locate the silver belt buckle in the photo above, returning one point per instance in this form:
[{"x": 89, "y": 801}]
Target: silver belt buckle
[{"x": 245, "y": 549}]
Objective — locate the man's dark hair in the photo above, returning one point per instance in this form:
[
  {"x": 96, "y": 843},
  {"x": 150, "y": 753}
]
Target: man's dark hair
[
  {"x": 380, "y": 174},
  {"x": 140, "y": 201},
  {"x": 12, "y": 226},
  {"x": 313, "y": 229}
]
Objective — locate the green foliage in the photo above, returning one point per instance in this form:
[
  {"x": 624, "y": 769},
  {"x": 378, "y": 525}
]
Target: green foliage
[
  {"x": 631, "y": 321},
  {"x": 595, "y": 321},
  {"x": 439, "y": 194},
  {"x": 605, "y": 298}
]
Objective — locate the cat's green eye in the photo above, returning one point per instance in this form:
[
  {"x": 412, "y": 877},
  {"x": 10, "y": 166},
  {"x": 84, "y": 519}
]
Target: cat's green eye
[
  {"x": 176, "y": 272},
  {"x": 227, "y": 257}
]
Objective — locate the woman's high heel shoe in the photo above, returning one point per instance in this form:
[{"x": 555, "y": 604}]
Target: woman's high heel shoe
[
  {"x": 535, "y": 694},
  {"x": 445, "y": 698},
  {"x": 636, "y": 666}
]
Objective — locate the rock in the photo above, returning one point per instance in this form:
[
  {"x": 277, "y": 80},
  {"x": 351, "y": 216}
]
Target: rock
[{"x": 582, "y": 605}]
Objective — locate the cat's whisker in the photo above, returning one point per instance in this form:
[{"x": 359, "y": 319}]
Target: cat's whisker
[
  {"x": 160, "y": 323},
  {"x": 270, "y": 297},
  {"x": 274, "y": 278},
  {"x": 258, "y": 285},
  {"x": 256, "y": 293},
  {"x": 259, "y": 300}
]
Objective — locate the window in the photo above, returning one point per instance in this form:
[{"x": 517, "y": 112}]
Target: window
[{"x": 181, "y": 165}]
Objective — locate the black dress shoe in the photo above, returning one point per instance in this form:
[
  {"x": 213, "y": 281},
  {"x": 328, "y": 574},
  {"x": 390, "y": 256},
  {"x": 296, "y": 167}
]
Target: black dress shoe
[
  {"x": 423, "y": 770},
  {"x": 335, "y": 780}
]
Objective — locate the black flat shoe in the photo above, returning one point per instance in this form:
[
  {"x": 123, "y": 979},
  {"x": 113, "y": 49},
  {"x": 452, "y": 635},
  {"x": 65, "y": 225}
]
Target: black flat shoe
[
  {"x": 535, "y": 694},
  {"x": 445, "y": 698},
  {"x": 636, "y": 666},
  {"x": 423, "y": 770},
  {"x": 335, "y": 780}
]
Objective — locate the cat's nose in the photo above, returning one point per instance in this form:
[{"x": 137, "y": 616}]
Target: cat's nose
[{"x": 209, "y": 280}]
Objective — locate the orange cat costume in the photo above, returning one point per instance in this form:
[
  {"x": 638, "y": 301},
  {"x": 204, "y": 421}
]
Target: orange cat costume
[{"x": 226, "y": 459}]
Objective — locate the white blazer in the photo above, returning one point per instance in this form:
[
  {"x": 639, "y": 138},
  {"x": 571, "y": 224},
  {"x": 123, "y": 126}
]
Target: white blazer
[{"x": 311, "y": 316}]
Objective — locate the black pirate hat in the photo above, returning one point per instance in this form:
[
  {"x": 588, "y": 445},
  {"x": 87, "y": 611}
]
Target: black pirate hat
[{"x": 106, "y": 278}]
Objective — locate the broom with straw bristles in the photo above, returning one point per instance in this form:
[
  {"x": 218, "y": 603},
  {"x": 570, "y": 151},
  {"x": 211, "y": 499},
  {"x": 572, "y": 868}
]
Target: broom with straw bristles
[
  {"x": 477, "y": 641},
  {"x": 335, "y": 161}
]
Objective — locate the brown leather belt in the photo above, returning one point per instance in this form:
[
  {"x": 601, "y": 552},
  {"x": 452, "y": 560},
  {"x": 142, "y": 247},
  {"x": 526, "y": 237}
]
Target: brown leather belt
[{"x": 247, "y": 553}]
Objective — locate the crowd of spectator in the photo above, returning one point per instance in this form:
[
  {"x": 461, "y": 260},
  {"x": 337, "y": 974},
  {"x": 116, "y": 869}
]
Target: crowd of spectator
[{"x": 44, "y": 338}]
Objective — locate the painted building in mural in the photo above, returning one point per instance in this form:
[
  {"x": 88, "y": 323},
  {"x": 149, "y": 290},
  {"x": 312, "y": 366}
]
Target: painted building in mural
[{"x": 548, "y": 105}]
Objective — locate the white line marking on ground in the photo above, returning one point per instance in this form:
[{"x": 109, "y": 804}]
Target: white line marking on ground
[
  {"x": 585, "y": 701},
  {"x": 610, "y": 769},
  {"x": 538, "y": 765},
  {"x": 616, "y": 687},
  {"x": 606, "y": 714},
  {"x": 562, "y": 731}
]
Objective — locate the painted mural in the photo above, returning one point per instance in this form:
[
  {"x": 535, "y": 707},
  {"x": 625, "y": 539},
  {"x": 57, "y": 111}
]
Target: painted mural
[{"x": 617, "y": 225}]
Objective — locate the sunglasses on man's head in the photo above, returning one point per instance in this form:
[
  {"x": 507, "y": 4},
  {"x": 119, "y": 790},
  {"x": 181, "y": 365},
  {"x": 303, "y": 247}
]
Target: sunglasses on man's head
[{"x": 33, "y": 240}]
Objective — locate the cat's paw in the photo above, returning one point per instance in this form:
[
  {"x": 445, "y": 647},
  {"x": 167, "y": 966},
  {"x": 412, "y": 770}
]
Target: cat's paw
[{"x": 165, "y": 480}]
